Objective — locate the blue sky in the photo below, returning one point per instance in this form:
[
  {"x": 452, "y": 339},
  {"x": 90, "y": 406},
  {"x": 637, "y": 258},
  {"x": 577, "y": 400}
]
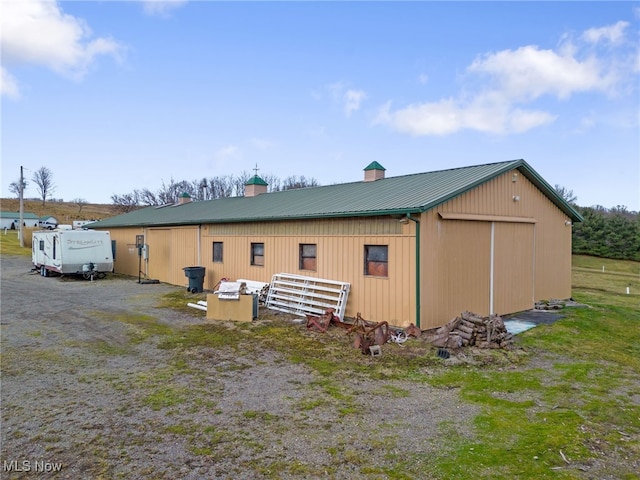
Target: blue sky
[{"x": 115, "y": 96}]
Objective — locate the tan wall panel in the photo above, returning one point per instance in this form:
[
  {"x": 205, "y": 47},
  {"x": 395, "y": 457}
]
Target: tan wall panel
[
  {"x": 184, "y": 253},
  {"x": 513, "y": 267},
  {"x": 461, "y": 268},
  {"x": 126, "y": 261},
  {"x": 552, "y": 253},
  {"x": 340, "y": 257},
  {"x": 159, "y": 265},
  {"x": 552, "y": 268}
]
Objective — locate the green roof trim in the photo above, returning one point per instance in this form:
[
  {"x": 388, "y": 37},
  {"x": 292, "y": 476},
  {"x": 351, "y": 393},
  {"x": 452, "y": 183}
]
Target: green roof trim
[
  {"x": 256, "y": 180},
  {"x": 25, "y": 215},
  {"x": 401, "y": 195},
  {"x": 374, "y": 166}
]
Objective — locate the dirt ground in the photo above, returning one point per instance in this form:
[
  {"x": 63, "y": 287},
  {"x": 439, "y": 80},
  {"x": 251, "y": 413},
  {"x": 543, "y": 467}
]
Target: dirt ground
[{"x": 79, "y": 400}]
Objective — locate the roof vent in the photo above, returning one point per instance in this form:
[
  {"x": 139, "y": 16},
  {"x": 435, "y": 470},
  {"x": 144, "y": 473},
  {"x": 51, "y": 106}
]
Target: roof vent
[
  {"x": 374, "y": 171},
  {"x": 255, "y": 186},
  {"x": 184, "y": 198}
]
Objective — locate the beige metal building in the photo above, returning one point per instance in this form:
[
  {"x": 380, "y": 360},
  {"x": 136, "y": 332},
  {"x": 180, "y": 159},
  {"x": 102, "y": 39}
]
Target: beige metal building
[{"x": 416, "y": 249}]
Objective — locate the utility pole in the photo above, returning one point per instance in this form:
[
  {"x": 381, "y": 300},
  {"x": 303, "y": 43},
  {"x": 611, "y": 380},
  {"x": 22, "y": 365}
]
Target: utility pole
[{"x": 21, "y": 230}]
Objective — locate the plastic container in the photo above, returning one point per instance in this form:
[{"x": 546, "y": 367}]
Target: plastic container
[{"x": 196, "y": 278}]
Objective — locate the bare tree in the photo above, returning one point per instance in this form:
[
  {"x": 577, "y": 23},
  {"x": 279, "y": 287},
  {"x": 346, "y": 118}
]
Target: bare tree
[
  {"x": 43, "y": 178},
  {"x": 171, "y": 193},
  {"x": 221, "y": 187},
  {"x": 147, "y": 197},
  {"x": 80, "y": 202},
  {"x": 127, "y": 202},
  {"x": 566, "y": 194},
  {"x": 14, "y": 187},
  {"x": 293, "y": 182},
  {"x": 239, "y": 182}
]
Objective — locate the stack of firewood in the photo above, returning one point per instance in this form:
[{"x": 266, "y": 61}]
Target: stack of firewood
[{"x": 470, "y": 329}]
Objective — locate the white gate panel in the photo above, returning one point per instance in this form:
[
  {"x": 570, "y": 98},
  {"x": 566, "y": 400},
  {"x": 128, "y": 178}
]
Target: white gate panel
[{"x": 300, "y": 295}]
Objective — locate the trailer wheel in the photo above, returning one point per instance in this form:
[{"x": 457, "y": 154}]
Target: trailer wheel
[{"x": 45, "y": 272}]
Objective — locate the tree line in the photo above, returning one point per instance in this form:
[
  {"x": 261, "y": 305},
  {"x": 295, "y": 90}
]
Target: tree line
[
  {"x": 204, "y": 189},
  {"x": 604, "y": 232},
  {"x": 607, "y": 233}
]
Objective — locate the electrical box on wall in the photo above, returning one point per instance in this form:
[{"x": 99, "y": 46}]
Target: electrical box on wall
[{"x": 143, "y": 251}]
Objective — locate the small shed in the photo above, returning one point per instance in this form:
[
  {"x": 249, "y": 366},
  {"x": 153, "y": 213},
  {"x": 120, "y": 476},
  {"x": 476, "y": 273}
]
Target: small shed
[
  {"x": 11, "y": 220},
  {"x": 420, "y": 248}
]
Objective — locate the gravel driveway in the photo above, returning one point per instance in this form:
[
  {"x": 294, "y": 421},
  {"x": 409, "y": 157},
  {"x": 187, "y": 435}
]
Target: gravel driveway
[{"x": 81, "y": 400}]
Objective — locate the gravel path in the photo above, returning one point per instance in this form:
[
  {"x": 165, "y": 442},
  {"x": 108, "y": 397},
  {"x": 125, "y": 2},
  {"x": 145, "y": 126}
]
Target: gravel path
[{"x": 81, "y": 400}]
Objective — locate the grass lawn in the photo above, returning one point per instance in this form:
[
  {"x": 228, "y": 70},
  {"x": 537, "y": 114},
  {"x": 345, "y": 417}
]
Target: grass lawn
[{"x": 566, "y": 406}]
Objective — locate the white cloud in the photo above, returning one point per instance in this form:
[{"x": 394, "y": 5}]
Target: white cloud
[
  {"x": 8, "y": 85},
  {"x": 503, "y": 84},
  {"x": 162, "y": 8},
  {"x": 352, "y": 101},
  {"x": 484, "y": 114},
  {"x": 528, "y": 73},
  {"x": 38, "y": 32},
  {"x": 349, "y": 99},
  {"x": 611, "y": 33}
]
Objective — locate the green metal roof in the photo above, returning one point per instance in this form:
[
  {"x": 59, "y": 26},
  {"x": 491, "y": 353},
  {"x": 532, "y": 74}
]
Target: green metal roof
[
  {"x": 374, "y": 166},
  {"x": 25, "y": 215},
  {"x": 389, "y": 196}
]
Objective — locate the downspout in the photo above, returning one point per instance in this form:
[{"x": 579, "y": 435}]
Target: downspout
[
  {"x": 417, "y": 222},
  {"x": 199, "y": 244}
]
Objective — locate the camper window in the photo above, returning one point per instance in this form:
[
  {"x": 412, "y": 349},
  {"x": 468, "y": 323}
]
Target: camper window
[{"x": 41, "y": 245}]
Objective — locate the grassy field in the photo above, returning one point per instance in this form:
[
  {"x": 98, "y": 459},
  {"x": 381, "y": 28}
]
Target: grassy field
[
  {"x": 65, "y": 212},
  {"x": 565, "y": 405}
]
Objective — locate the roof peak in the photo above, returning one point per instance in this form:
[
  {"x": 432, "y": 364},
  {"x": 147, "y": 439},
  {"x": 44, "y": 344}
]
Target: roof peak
[
  {"x": 374, "y": 166},
  {"x": 256, "y": 180}
]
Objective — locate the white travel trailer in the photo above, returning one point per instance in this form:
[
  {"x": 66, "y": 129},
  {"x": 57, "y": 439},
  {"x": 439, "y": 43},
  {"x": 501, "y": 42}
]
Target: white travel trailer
[{"x": 72, "y": 252}]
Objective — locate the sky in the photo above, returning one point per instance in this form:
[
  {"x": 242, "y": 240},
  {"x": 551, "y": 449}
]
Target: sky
[{"x": 114, "y": 96}]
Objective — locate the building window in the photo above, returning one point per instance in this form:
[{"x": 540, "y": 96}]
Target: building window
[
  {"x": 308, "y": 256},
  {"x": 257, "y": 254},
  {"x": 376, "y": 260},
  {"x": 217, "y": 252}
]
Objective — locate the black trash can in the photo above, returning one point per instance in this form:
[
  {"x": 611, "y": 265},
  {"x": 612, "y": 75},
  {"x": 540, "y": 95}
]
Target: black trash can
[{"x": 196, "y": 278}]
